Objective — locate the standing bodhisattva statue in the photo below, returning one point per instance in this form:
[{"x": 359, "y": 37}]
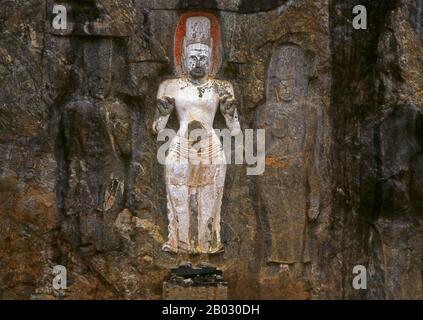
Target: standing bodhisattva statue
[{"x": 195, "y": 168}]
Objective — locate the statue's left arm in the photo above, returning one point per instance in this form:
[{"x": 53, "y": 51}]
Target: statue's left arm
[
  {"x": 313, "y": 144},
  {"x": 227, "y": 105}
]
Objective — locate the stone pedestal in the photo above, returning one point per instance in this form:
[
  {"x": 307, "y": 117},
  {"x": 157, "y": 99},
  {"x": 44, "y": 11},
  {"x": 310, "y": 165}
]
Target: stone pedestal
[{"x": 195, "y": 283}]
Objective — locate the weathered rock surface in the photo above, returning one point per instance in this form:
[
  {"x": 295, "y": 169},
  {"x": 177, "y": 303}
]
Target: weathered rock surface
[{"x": 80, "y": 185}]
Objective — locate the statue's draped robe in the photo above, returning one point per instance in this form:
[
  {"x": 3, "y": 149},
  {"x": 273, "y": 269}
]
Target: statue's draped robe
[
  {"x": 194, "y": 193},
  {"x": 195, "y": 170}
]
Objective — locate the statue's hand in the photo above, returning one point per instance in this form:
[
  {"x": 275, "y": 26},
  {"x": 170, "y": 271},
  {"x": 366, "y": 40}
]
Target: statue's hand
[
  {"x": 314, "y": 210},
  {"x": 227, "y": 105},
  {"x": 165, "y": 105}
]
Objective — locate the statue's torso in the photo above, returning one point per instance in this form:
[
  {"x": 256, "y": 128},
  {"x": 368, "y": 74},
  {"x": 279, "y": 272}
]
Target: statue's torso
[
  {"x": 193, "y": 103},
  {"x": 196, "y": 108}
]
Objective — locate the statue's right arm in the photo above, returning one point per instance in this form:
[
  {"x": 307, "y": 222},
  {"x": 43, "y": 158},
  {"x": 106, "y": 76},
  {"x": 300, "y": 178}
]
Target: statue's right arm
[
  {"x": 164, "y": 107},
  {"x": 159, "y": 124}
]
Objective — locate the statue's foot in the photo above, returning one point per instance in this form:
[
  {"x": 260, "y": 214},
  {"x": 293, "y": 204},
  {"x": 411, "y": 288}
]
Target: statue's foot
[
  {"x": 214, "y": 250},
  {"x": 218, "y": 249},
  {"x": 167, "y": 247}
]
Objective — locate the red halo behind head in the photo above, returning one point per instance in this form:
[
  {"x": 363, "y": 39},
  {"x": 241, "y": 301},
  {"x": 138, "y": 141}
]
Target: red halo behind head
[{"x": 216, "y": 58}]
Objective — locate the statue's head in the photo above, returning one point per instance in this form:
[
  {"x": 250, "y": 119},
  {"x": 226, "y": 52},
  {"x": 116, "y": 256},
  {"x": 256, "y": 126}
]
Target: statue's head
[
  {"x": 287, "y": 74},
  {"x": 98, "y": 65},
  {"x": 197, "y": 45},
  {"x": 197, "y": 60}
]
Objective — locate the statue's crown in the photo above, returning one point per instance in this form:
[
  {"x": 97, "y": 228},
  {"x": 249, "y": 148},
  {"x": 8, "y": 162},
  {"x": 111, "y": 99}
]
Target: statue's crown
[{"x": 197, "y": 31}]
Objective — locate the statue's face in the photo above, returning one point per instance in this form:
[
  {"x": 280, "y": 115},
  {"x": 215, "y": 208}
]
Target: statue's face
[
  {"x": 197, "y": 60},
  {"x": 285, "y": 90}
]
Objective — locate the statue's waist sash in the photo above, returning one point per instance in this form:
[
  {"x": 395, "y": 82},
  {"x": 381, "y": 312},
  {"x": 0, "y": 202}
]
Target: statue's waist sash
[{"x": 196, "y": 163}]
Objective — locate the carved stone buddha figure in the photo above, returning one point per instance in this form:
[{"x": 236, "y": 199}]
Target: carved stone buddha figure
[{"x": 195, "y": 168}]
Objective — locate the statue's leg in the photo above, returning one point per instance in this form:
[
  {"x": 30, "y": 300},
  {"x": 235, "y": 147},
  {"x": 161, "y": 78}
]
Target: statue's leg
[
  {"x": 209, "y": 203},
  {"x": 172, "y": 243},
  {"x": 178, "y": 214}
]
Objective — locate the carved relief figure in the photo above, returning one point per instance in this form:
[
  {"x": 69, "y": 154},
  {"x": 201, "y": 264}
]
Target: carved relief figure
[
  {"x": 287, "y": 189},
  {"x": 97, "y": 139},
  {"x": 195, "y": 188}
]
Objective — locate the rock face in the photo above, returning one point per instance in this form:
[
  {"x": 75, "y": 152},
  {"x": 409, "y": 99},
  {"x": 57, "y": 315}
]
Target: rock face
[{"x": 80, "y": 185}]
